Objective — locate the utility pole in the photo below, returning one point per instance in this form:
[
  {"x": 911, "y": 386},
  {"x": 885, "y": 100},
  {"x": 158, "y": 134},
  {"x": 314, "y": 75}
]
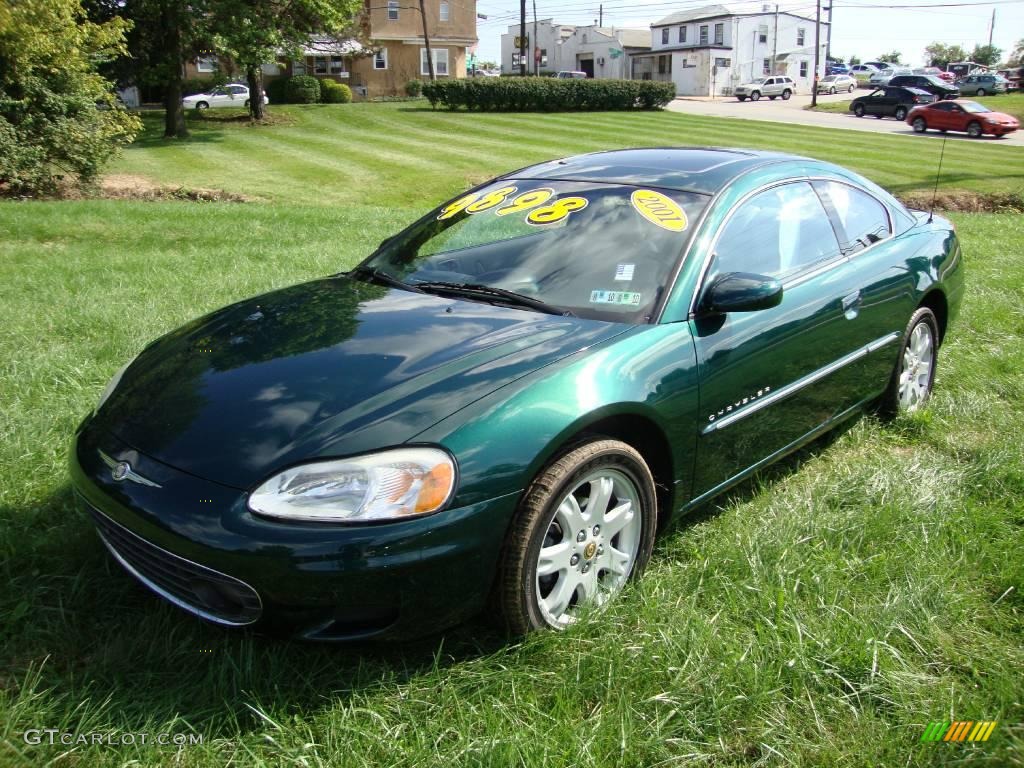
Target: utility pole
[
  {"x": 600, "y": 18},
  {"x": 992, "y": 28},
  {"x": 426, "y": 42},
  {"x": 828, "y": 36},
  {"x": 522, "y": 37},
  {"x": 817, "y": 54},
  {"x": 775, "y": 42},
  {"x": 535, "y": 41}
]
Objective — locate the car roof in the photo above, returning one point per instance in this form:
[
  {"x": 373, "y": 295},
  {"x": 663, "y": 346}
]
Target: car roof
[{"x": 704, "y": 170}]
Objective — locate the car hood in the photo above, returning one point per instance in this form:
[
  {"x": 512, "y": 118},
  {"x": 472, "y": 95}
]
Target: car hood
[
  {"x": 328, "y": 368},
  {"x": 1002, "y": 117}
]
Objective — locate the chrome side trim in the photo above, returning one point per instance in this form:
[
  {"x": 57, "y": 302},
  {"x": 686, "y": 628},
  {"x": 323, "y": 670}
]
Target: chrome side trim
[
  {"x": 163, "y": 592},
  {"x": 799, "y": 384}
]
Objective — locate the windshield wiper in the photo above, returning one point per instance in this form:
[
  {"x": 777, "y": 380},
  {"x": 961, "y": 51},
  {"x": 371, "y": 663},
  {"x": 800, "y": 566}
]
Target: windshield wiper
[
  {"x": 486, "y": 291},
  {"x": 383, "y": 277}
]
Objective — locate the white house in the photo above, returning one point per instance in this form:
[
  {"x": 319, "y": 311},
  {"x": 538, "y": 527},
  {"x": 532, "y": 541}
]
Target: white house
[
  {"x": 710, "y": 50},
  {"x": 602, "y": 52}
]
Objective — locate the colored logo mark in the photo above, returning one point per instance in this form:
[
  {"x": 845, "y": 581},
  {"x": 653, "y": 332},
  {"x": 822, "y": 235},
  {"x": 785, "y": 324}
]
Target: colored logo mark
[{"x": 961, "y": 730}]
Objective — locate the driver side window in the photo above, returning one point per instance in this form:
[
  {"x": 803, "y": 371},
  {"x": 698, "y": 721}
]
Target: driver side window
[{"x": 778, "y": 233}]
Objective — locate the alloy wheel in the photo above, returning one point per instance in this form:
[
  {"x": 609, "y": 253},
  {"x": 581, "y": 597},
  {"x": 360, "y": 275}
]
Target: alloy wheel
[
  {"x": 916, "y": 374},
  {"x": 590, "y": 545}
]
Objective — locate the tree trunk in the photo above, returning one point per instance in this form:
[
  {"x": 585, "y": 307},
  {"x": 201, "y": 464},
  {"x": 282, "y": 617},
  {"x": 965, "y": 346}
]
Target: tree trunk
[
  {"x": 174, "y": 112},
  {"x": 255, "y": 77}
]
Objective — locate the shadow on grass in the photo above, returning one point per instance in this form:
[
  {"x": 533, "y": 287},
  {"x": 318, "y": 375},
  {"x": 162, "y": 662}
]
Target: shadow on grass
[{"x": 79, "y": 629}]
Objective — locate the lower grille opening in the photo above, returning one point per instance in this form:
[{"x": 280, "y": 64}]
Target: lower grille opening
[{"x": 200, "y": 590}]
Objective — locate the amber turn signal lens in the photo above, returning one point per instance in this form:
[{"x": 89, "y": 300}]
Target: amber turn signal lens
[{"x": 437, "y": 484}]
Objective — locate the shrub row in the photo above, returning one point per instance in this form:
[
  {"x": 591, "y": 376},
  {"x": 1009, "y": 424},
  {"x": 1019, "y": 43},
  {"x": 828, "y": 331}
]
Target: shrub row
[
  {"x": 545, "y": 94},
  {"x": 305, "y": 89}
]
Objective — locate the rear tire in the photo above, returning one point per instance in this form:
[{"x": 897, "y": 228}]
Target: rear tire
[
  {"x": 556, "y": 556},
  {"x": 920, "y": 125},
  {"x": 901, "y": 113},
  {"x": 914, "y": 374},
  {"x": 850, "y": 89},
  {"x": 982, "y": 92},
  {"x": 201, "y": 105},
  {"x": 786, "y": 94},
  {"x": 755, "y": 96},
  {"x": 974, "y": 130}
]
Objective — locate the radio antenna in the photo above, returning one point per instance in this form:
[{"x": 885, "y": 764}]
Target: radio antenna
[{"x": 938, "y": 172}]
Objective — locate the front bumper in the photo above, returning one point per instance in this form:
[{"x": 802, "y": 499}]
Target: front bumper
[{"x": 195, "y": 543}]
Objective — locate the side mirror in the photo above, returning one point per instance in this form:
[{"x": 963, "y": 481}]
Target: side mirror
[{"x": 741, "y": 292}]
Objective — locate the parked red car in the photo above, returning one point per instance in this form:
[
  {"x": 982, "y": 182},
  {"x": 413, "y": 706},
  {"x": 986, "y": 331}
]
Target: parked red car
[{"x": 969, "y": 116}]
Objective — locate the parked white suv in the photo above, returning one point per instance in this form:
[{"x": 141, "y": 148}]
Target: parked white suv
[{"x": 766, "y": 86}]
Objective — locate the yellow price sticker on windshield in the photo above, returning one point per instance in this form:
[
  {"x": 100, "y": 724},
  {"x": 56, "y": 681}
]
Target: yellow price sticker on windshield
[
  {"x": 659, "y": 209},
  {"x": 557, "y": 211},
  {"x": 457, "y": 206}
]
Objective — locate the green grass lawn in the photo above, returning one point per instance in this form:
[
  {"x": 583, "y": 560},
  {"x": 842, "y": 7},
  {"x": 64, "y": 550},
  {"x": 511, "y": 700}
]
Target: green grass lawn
[
  {"x": 822, "y": 615},
  {"x": 1010, "y": 103}
]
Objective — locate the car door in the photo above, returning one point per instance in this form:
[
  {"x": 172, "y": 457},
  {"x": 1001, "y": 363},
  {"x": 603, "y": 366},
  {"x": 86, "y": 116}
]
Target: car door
[
  {"x": 765, "y": 379},
  {"x": 218, "y": 97},
  {"x": 874, "y": 102},
  {"x": 940, "y": 116},
  {"x": 891, "y": 100}
]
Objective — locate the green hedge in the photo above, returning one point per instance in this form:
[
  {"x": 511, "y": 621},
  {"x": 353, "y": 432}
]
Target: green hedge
[
  {"x": 333, "y": 92},
  {"x": 545, "y": 94},
  {"x": 302, "y": 89},
  {"x": 276, "y": 89}
]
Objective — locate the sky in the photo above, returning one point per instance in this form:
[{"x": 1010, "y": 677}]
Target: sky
[{"x": 865, "y": 28}]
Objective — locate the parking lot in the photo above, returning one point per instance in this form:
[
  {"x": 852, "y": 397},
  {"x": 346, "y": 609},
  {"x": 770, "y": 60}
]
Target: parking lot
[{"x": 793, "y": 112}]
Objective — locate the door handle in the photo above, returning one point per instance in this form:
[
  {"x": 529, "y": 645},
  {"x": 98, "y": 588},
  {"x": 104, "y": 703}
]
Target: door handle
[{"x": 851, "y": 305}]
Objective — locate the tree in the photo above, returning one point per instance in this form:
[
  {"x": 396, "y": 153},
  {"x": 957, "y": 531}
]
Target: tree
[
  {"x": 986, "y": 54},
  {"x": 893, "y": 57},
  {"x": 941, "y": 55},
  {"x": 854, "y": 60},
  {"x": 58, "y": 116},
  {"x": 164, "y": 35},
  {"x": 255, "y": 32},
  {"x": 1017, "y": 57}
]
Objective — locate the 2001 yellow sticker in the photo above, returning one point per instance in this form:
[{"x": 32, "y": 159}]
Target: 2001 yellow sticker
[{"x": 659, "y": 209}]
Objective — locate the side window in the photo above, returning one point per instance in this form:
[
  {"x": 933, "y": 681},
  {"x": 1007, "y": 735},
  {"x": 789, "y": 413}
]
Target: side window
[
  {"x": 778, "y": 233},
  {"x": 864, "y": 220}
]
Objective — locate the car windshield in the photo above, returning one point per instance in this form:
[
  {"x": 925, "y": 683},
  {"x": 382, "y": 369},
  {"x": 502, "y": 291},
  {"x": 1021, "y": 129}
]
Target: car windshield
[
  {"x": 758, "y": 81},
  {"x": 828, "y": 79},
  {"x": 597, "y": 250},
  {"x": 973, "y": 106}
]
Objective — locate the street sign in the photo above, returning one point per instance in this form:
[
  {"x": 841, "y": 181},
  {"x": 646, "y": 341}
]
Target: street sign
[
  {"x": 521, "y": 42},
  {"x": 536, "y": 55}
]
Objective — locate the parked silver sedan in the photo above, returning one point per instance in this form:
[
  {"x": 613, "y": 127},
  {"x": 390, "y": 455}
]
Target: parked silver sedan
[{"x": 837, "y": 83}]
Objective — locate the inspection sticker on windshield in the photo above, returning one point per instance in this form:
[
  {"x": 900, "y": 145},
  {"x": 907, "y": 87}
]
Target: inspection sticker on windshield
[
  {"x": 629, "y": 298},
  {"x": 624, "y": 271},
  {"x": 659, "y": 209}
]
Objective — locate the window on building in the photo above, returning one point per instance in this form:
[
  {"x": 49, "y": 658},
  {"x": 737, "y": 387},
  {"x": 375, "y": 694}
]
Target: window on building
[
  {"x": 298, "y": 67},
  {"x": 778, "y": 233},
  {"x": 319, "y": 65},
  {"x": 801, "y": 35},
  {"x": 682, "y": 34},
  {"x": 206, "y": 64},
  {"x": 766, "y": 67},
  {"x": 664, "y": 36},
  {"x": 337, "y": 65},
  {"x": 440, "y": 57},
  {"x": 719, "y": 34},
  {"x": 720, "y": 63},
  {"x": 444, "y": 11},
  {"x": 515, "y": 60},
  {"x": 380, "y": 59},
  {"x": 543, "y": 57},
  {"x": 762, "y": 33},
  {"x": 663, "y": 64},
  {"x": 803, "y": 69},
  {"x": 703, "y": 34},
  {"x": 392, "y": 10}
]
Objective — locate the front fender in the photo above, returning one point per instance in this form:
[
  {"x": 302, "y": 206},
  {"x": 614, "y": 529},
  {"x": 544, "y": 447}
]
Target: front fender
[{"x": 502, "y": 441}]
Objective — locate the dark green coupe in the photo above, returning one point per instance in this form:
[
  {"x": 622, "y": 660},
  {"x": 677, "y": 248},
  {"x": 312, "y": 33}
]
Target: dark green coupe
[{"x": 501, "y": 406}]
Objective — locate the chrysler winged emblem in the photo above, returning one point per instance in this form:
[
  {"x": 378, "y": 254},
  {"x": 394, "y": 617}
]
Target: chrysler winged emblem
[{"x": 122, "y": 470}]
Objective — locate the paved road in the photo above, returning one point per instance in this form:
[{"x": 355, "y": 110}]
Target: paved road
[{"x": 793, "y": 111}]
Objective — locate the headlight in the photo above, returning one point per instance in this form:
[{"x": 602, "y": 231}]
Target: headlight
[
  {"x": 112, "y": 385},
  {"x": 406, "y": 482}
]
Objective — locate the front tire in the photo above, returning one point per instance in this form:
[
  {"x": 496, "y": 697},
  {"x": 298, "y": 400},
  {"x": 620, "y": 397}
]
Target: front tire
[
  {"x": 974, "y": 130},
  {"x": 584, "y": 528},
  {"x": 982, "y": 92},
  {"x": 201, "y": 105},
  {"x": 920, "y": 125},
  {"x": 901, "y": 113},
  {"x": 850, "y": 89},
  {"x": 914, "y": 374},
  {"x": 832, "y": 91},
  {"x": 858, "y": 110},
  {"x": 755, "y": 96},
  {"x": 742, "y": 98}
]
